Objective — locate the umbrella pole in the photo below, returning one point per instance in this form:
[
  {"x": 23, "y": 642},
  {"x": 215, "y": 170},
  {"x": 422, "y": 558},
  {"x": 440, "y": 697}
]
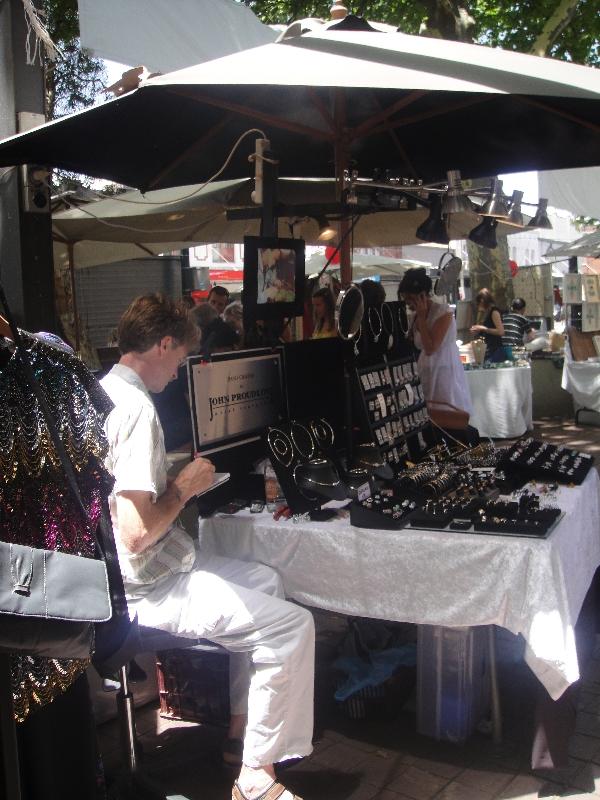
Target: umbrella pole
[
  {"x": 342, "y": 161},
  {"x": 70, "y": 249}
]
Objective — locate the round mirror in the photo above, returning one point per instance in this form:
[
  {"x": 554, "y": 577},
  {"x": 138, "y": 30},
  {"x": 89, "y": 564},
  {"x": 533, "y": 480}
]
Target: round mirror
[{"x": 349, "y": 311}]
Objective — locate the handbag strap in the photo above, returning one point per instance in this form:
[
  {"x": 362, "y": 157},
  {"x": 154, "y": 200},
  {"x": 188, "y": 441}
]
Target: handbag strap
[{"x": 36, "y": 389}]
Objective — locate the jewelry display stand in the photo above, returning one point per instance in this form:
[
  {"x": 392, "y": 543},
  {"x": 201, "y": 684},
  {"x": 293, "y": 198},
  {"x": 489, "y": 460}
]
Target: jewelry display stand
[
  {"x": 307, "y": 468},
  {"x": 394, "y": 412}
]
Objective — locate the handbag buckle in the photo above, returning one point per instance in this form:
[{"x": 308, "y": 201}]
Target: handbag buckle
[{"x": 21, "y": 572}]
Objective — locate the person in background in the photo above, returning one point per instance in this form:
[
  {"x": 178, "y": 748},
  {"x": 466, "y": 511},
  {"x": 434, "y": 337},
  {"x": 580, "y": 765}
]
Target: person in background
[
  {"x": 373, "y": 293},
  {"x": 234, "y": 317},
  {"x": 323, "y": 304},
  {"x": 517, "y": 328},
  {"x": 218, "y": 298},
  {"x": 491, "y": 327},
  {"x": 434, "y": 333},
  {"x": 174, "y": 586}
]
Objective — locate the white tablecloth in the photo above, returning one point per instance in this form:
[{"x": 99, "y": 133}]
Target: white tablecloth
[
  {"x": 502, "y": 401},
  {"x": 582, "y": 380},
  {"x": 533, "y": 587}
]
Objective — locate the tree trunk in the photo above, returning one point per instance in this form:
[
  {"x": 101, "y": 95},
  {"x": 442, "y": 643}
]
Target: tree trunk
[
  {"x": 448, "y": 19},
  {"x": 489, "y": 270},
  {"x": 563, "y": 14}
]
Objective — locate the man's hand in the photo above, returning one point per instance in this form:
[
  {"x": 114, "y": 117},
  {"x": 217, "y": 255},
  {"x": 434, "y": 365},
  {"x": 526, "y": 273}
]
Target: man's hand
[{"x": 194, "y": 478}]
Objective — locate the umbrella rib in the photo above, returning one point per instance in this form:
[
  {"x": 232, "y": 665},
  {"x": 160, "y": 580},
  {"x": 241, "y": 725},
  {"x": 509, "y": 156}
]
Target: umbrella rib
[
  {"x": 565, "y": 114},
  {"x": 385, "y": 113},
  {"x": 321, "y": 108},
  {"x": 390, "y": 125},
  {"x": 145, "y": 249},
  {"x": 399, "y": 146},
  {"x": 255, "y": 115},
  {"x": 199, "y": 143}
]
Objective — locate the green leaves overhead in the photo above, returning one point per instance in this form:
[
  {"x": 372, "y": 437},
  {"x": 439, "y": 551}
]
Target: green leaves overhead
[{"x": 511, "y": 25}]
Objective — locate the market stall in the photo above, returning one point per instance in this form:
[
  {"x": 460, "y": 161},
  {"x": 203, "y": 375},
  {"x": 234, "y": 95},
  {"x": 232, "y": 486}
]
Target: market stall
[
  {"x": 532, "y": 587},
  {"x": 502, "y": 401}
]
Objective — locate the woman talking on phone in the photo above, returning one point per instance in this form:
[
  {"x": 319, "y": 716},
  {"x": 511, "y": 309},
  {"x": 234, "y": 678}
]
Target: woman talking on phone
[{"x": 434, "y": 334}]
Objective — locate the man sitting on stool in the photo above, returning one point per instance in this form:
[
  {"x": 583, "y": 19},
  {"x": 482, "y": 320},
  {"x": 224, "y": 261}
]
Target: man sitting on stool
[{"x": 175, "y": 587}]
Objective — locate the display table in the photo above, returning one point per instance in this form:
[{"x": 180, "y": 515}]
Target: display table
[
  {"x": 582, "y": 380},
  {"x": 532, "y": 587},
  {"x": 502, "y": 401}
]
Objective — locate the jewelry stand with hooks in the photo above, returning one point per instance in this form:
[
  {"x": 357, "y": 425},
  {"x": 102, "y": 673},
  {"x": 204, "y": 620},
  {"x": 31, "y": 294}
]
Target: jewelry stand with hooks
[{"x": 301, "y": 446}]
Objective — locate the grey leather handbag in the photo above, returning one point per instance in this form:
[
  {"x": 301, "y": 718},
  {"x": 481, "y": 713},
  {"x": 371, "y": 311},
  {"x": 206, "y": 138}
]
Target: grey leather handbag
[{"x": 49, "y": 601}]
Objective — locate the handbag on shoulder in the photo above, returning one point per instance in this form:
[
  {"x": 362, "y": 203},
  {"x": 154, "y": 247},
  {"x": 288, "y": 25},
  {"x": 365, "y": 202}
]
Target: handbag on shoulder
[{"x": 51, "y": 600}]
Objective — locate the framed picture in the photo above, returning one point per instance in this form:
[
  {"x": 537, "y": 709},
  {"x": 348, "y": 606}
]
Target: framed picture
[{"x": 273, "y": 277}]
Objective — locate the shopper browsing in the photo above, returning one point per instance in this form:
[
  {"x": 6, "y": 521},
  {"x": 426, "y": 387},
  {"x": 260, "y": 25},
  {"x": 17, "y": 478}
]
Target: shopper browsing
[
  {"x": 173, "y": 586},
  {"x": 517, "y": 328},
  {"x": 218, "y": 298},
  {"x": 323, "y": 303},
  {"x": 491, "y": 327},
  {"x": 434, "y": 334}
]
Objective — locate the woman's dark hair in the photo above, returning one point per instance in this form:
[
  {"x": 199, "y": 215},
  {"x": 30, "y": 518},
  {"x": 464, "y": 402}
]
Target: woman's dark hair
[
  {"x": 415, "y": 281},
  {"x": 149, "y": 319},
  {"x": 329, "y": 301},
  {"x": 518, "y": 304},
  {"x": 372, "y": 292},
  {"x": 485, "y": 297}
]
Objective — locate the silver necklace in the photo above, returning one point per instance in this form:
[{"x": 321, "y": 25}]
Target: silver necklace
[
  {"x": 389, "y": 329},
  {"x": 369, "y": 314}
]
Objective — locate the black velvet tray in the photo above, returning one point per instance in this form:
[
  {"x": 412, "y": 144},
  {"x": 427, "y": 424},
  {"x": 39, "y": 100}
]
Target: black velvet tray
[{"x": 361, "y": 517}]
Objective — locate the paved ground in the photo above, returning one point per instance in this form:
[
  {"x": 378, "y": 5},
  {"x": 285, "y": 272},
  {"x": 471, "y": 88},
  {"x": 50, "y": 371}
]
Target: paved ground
[{"x": 384, "y": 757}]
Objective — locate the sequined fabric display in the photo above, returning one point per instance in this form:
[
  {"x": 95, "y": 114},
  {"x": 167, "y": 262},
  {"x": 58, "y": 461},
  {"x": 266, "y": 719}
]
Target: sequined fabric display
[{"x": 36, "y": 504}]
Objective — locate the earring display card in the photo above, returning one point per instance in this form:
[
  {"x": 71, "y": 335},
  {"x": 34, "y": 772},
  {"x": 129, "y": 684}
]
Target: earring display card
[
  {"x": 591, "y": 288},
  {"x": 590, "y": 317},
  {"x": 572, "y": 292},
  {"x": 395, "y": 409}
]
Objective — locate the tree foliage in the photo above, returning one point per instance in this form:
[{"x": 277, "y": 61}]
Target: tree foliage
[
  {"x": 511, "y": 25},
  {"x": 74, "y": 80}
]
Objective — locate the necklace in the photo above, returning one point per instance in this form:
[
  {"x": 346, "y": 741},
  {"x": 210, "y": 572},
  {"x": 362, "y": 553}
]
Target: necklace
[
  {"x": 403, "y": 324},
  {"x": 357, "y": 339},
  {"x": 322, "y": 432},
  {"x": 370, "y": 312},
  {"x": 281, "y": 446},
  {"x": 305, "y": 448},
  {"x": 388, "y": 325}
]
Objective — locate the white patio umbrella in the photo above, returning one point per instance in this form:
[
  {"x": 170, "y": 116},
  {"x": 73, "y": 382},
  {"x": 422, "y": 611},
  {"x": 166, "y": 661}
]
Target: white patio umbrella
[{"x": 333, "y": 98}]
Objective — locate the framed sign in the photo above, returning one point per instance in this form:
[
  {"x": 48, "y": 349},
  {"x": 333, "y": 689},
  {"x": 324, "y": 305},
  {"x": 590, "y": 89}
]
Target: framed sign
[
  {"x": 233, "y": 398},
  {"x": 273, "y": 277}
]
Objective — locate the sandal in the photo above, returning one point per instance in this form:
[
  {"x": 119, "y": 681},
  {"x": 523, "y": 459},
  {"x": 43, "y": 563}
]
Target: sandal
[
  {"x": 231, "y": 752},
  {"x": 272, "y": 792}
]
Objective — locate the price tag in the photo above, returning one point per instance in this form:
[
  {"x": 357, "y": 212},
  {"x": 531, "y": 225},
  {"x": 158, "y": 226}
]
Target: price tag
[
  {"x": 382, "y": 405},
  {"x": 364, "y": 491}
]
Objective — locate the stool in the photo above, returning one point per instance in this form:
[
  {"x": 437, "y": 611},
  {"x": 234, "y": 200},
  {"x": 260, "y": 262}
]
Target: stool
[{"x": 133, "y": 783}]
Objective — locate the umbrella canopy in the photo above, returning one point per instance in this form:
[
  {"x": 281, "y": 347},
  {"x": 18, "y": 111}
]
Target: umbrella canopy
[
  {"x": 588, "y": 245},
  {"x": 132, "y": 225},
  {"x": 367, "y": 266},
  {"x": 334, "y": 98}
]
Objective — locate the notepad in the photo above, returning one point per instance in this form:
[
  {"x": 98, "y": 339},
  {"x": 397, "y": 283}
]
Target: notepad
[{"x": 219, "y": 478}]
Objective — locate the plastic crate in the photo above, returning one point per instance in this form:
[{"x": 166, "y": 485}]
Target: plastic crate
[
  {"x": 453, "y": 684},
  {"x": 193, "y": 686}
]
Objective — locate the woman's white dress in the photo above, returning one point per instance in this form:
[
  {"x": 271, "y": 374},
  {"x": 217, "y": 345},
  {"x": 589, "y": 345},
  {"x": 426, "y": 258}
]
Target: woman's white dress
[{"x": 442, "y": 373}]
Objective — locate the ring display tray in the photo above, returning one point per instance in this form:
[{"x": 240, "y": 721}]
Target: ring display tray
[{"x": 490, "y": 528}]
